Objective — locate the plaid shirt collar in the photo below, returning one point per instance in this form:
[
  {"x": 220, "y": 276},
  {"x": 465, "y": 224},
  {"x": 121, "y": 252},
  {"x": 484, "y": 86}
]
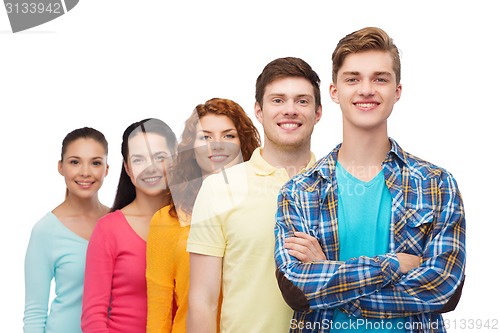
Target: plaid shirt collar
[{"x": 326, "y": 166}]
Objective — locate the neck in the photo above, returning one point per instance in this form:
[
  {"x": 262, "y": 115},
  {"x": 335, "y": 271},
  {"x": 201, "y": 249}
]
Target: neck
[
  {"x": 292, "y": 159},
  {"x": 146, "y": 204},
  {"x": 362, "y": 152},
  {"x": 83, "y": 206}
]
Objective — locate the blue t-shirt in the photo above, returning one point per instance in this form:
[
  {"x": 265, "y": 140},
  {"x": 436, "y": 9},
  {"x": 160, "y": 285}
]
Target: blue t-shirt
[{"x": 364, "y": 218}]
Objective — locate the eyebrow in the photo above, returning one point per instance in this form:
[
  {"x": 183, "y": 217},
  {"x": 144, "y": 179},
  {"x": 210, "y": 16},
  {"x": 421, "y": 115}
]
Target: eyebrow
[
  {"x": 224, "y": 131},
  {"x": 297, "y": 96},
  {"x": 78, "y": 157},
  {"x": 383, "y": 73},
  {"x": 155, "y": 154},
  {"x": 357, "y": 73}
]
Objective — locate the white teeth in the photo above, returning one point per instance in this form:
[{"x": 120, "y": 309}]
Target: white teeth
[
  {"x": 151, "y": 180},
  {"x": 366, "y": 105},
  {"x": 84, "y": 183},
  {"x": 289, "y": 125},
  {"x": 218, "y": 158}
]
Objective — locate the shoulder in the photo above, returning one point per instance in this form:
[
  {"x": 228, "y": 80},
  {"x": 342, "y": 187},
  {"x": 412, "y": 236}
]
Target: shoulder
[
  {"x": 230, "y": 176},
  {"x": 316, "y": 178},
  {"x": 425, "y": 170},
  {"x": 110, "y": 221},
  {"x": 45, "y": 225},
  {"x": 163, "y": 217},
  {"x": 422, "y": 172}
]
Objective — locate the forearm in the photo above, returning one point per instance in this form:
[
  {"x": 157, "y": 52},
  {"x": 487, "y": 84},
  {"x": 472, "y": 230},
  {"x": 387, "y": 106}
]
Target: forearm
[
  {"x": 160, "y": 303},
  {"x": 425, "y": 289},
  {"x": 329, "y": 284},
  {"x": 99, "y": 270},
  {"x": 202, "y": 318},
  {"x": 204, "y": 292},
  {"x": 95, "y": 305},
  {"x": 37, "y": 278},
  {"x": 35, "y": 307},
  {"x": 94, "y": 319},
  {"x": 159, "y": 280}
]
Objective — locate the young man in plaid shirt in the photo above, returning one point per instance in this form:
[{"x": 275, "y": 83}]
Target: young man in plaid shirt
[{"x": 391, "y": 226}]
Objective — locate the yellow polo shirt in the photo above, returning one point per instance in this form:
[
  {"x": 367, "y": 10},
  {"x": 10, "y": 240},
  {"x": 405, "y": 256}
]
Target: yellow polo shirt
[{"x": 234, "y": 218}]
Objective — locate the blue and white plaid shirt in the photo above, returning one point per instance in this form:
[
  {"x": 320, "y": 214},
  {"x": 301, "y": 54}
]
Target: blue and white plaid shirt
[{"x": 427, "y": 220}]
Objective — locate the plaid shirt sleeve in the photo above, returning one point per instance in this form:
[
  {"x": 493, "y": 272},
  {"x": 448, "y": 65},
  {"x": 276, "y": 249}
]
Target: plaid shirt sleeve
[
  {"x": 325, "y": 284},
  {"x": 428, "y": 287}
]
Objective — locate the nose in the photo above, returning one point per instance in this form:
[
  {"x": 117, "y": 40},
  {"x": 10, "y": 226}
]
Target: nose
[
  {"x": 84, "y": 171},
  {"x": 289, "y": 109},
  {"x": 217, "y": 144},
  {"x": 365, "y": 88},
  {"x": 152, "y": 167}
]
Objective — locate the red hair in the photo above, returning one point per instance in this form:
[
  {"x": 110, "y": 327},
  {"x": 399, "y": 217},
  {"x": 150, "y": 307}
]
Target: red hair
[{"x": 186, "y": 172}]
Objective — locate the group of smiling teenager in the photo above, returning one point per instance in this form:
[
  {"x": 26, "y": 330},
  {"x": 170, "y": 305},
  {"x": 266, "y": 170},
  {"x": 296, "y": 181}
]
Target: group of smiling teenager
[{"x": 218, "y": 233}]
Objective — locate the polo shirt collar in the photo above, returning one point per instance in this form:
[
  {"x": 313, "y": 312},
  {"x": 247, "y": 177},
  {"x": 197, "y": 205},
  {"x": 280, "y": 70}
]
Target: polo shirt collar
[{"x": 262, "y": 168}]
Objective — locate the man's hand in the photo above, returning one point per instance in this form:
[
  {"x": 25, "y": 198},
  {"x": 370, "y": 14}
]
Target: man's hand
[
  {"x": 304, "y": 247},
  {"x": 407, "y": 262}
]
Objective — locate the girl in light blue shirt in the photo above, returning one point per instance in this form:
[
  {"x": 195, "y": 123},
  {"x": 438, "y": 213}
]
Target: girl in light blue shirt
[{"x": 58, "y": 243}]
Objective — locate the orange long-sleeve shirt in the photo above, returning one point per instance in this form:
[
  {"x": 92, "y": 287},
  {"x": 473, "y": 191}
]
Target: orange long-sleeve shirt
[{"x": 167, "y": 273}]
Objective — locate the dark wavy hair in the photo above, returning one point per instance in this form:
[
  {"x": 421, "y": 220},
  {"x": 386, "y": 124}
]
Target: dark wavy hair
[
  {"x": 187, "y": 174},
  {"x": 126, "y": 191}
]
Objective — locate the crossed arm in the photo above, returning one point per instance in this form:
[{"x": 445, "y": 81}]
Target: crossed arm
[
  {"x": 306, "y": 248},
  {"x": 389, "y": 285}
]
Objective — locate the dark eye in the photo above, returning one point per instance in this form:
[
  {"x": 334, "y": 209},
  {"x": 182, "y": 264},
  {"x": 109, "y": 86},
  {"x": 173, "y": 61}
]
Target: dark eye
[
  {"x": 97, "y": 163},
  {"x": 75, "y": 162},
  {"x": 161, "y": 158},
  {"x": 204, "y": 137}
]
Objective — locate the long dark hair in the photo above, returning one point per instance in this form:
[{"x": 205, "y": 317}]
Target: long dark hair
[{"x": 126, "y": 192}]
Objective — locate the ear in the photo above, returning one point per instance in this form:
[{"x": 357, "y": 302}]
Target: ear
[
  {"x": 319, "y": 113},
  {"x": 399, "y": 89},
  {"x": 107, "y": 170},
  {"x": 334, "y": 93},
  {"x": 258, "y": 111},
  {"x": 59, "y": 167},
  {"x": 125, "y": 166}
]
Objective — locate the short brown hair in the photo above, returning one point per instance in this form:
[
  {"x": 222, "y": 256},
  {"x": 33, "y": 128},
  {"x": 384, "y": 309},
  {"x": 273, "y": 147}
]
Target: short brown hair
[
  {"x": 287, "y": 67},
  {"x": 366, "y": 39}
]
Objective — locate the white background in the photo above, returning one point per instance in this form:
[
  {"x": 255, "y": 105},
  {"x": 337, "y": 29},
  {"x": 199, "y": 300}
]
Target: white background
[{"x": 109, "y": 63}]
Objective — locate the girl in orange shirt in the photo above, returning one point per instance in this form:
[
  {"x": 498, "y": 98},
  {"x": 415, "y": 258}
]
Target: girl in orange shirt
[{"x": 217, "y": 135}]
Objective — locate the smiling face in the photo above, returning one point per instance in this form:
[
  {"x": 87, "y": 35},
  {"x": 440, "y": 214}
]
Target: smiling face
[
  {"x": 217, "y": 144},
  {"x": 288, "y": 113},
  {"x": 148, "y": 161},
  {"x": 84, "y": 167},
  {"x": 366, "y": 90}
]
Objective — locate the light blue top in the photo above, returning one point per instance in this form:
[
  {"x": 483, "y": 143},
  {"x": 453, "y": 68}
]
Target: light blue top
[
  {"x": 364, "y": 213},
  {"x": 54, "y": 252}
]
